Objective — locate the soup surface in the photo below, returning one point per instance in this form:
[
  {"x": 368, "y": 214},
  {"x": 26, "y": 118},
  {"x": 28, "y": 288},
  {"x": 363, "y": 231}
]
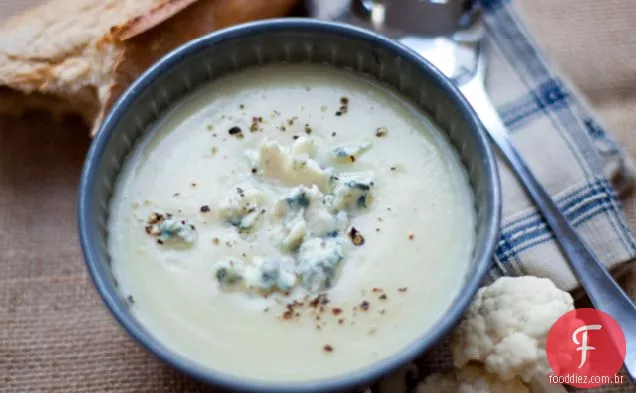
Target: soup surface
[{"x": 291, "y": 222}]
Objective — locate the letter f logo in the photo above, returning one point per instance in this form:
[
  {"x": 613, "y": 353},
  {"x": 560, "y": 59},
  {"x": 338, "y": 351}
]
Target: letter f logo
[{"x": 584, "y": 347}]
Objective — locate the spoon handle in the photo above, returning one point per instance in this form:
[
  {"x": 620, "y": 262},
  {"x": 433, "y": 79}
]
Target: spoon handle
[{"x": 602, "y": 289}]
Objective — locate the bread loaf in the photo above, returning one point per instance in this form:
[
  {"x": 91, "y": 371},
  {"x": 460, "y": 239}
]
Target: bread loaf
[{"x": 78, "y": 56}]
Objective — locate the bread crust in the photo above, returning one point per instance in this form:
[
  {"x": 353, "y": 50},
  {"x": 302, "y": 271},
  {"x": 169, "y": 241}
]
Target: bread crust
[
  {"x": 84, "y": 71},
  {"x": 154, "y": 17}
]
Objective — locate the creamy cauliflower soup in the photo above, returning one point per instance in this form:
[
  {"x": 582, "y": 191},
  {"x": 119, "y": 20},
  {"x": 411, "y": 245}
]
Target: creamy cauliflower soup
[{"x": 291, "y": 222}]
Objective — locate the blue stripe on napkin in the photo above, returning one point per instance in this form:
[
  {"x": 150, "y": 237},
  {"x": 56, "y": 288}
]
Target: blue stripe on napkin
[{"x": 544, "y": 97}]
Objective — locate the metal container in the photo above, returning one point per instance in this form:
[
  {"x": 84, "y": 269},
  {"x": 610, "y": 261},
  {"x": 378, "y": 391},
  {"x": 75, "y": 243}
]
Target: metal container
[{"x": 274, "y": 41}]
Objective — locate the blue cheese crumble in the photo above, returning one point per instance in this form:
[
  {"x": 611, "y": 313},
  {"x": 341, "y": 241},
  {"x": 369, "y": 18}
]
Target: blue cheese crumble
[
  {"x": 243, "y": 208},
  {"x": 179, "y": 230},
  {"x": 307, "y": 223},
  {"x": 229, "y": 273},
  {"x": 290, "y": 167},
  {"x": 169, "y": 229},
  {"x": 351, "y": 192},
  {"x": 318, "y": 261},
  {"x": 350, "y": 153},
  {"x": 272, "y": 274},
  {"x": 298, "y": 199},
  {"x": 304, "y": 213},
  {"x": 263, "y": 276}
]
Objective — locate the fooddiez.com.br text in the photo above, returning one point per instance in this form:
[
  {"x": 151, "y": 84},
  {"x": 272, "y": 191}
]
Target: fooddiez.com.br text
[{"x": 582, "y": 379}]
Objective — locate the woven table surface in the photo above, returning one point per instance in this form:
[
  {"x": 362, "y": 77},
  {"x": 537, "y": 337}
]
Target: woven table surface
[{"x": 55, "y": 334}]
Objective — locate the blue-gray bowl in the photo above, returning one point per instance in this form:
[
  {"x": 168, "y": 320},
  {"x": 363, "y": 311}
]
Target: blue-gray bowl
[{"x": 283, "y": 40}]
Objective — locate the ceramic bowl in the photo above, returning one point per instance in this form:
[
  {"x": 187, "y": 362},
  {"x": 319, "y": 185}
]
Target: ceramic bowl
[{"x": 290, "y": 41}]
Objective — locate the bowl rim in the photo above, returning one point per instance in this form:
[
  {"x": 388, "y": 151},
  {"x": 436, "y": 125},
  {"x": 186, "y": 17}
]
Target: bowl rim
[{"x": 348, "y": 381}]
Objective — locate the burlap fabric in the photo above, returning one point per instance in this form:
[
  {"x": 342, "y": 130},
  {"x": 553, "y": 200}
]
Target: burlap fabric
[{"x": 55, "y": 334}]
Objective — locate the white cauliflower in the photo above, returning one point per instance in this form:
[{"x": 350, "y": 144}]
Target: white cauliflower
[
  {"x": 507, "y": 325},
  {"x": 470, "y": 379}
]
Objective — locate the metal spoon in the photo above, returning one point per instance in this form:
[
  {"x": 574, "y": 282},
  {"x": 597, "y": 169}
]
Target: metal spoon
[
  {"x": 601, "y": 288},
  {"x": 452, "y": 41}
]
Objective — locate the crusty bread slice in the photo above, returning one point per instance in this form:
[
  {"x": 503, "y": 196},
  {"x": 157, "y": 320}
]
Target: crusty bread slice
[{"x": 77, "y": 56}]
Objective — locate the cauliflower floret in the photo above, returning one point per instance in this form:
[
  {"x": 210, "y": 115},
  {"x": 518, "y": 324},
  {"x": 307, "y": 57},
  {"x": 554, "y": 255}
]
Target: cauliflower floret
[
  {"x": 470, "y": 379},
  {"x": 507, "y": 325}
]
